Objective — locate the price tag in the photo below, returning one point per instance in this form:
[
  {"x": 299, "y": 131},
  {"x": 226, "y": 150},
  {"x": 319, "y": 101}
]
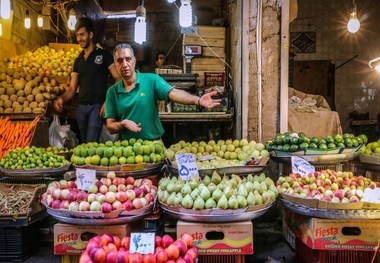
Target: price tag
[
  {"x": 85, "y": 177},
  {"x": 187, "y": 167},
  {"x": 372, "y": 195},
  {"x": 142, "y": 243},
  {"x": 301, "y": 166}
]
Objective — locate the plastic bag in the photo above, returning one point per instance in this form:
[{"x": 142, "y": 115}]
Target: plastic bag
[
  {"x": 105, "y": 135},
  {"x": 58, "y": 133}
]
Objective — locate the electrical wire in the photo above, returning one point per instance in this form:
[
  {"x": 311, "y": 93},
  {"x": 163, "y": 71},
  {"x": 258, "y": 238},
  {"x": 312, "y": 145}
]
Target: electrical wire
[{"x": 225, "y": 63}]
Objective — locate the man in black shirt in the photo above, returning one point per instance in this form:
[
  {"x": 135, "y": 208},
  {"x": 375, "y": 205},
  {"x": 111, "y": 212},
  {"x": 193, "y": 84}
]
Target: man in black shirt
[{"x": 90, "y": 73}]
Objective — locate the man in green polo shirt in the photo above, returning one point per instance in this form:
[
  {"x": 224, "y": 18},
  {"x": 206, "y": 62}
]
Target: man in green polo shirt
[{"x": 131, "y": 104}]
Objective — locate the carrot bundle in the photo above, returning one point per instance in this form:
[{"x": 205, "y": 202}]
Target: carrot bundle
[{"x": 13, "y": 135}]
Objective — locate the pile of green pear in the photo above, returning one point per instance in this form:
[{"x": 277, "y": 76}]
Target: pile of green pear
[
  {"x": 223, "y": 153},
  {"x": 227, "y": 192}
]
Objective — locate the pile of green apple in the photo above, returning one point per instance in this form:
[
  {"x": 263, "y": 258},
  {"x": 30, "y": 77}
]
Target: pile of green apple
[
  {"x": 371, "y": 148},
  {"x": 221, "y": 153},
  {"x": 227, "y": 192},
  {"x": 132, "y": 151},
  {"x": 326, "y": 185}
]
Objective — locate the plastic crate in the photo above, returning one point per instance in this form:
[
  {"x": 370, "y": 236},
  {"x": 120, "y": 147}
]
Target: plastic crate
[
  {"x": 43, "y": 180},
  {"x": 18, "y": 242},
  {"x": 221, "y": 259},
  {"x": 305, "y": 254}
]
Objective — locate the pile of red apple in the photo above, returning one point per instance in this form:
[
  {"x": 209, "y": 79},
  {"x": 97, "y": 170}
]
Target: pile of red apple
[
  {"x": 107, "y": 194},
  {"x": 326, "y": 185},
  {"x": 110, "y": 249}
]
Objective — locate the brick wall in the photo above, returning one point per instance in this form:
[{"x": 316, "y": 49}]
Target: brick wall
[{"x": 333, "y": 42}]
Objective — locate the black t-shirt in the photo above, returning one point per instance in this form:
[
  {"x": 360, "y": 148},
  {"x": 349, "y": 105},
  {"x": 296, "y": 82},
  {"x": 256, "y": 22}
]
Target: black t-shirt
[{"x": 93, "y": 75}]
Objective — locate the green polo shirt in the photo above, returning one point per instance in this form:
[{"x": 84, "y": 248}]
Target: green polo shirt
[{"x": 139, "y": 105}]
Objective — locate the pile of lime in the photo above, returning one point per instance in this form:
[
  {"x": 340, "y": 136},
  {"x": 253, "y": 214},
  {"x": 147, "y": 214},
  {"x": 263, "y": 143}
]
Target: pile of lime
[
  {"x": 57, "y": 149},
  {"x": 31, "y": 157},
  {"x": 296, "y": 141},
  {"x": 132, "y": 151}
]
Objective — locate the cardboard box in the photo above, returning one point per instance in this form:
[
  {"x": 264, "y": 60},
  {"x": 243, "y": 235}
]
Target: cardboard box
[
  {"x": 72, "y": 239},
  {"x": 331, "y": 234},
  {"x": 305, "y": 254},
  {"x": 218, "y": 238}
]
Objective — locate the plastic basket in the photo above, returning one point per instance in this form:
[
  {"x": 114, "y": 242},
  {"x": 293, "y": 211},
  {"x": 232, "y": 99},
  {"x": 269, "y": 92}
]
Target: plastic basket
[
  {"x": 45, "y": 180},
  {"x": 307, "y": 255},
  {"x": 221, "y": 259},
  {"x": 18, "y": 242}
]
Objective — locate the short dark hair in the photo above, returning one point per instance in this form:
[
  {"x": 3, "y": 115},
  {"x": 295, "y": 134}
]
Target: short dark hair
[
  {"x": 160, "y": 53},
  {"x": 86, "y": 23}
]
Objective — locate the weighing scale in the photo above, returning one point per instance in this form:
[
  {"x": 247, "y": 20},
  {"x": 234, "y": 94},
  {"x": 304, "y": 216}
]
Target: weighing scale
[{"x": 189, "y": 52}]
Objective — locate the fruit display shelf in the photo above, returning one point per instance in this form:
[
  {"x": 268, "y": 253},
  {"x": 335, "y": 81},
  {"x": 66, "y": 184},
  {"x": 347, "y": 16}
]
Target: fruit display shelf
[
  {"x": 125, "y": 170},
  {"x": 98, "y": 218},
  {"x": 217, "y": 215},
  {"x": 34, "y": 173},
  {"x": 101, "y": 221},
  {"x": 332, "y": 213},
  {"x": 239, "y": 170},
  {"x": 319, "y": 159}
]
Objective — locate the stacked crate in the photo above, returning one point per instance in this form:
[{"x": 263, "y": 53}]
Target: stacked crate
[{"x": 212, "y": 39}]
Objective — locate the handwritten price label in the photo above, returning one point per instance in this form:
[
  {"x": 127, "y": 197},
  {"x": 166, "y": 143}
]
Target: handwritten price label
[
  {"x": 85, "y": 178},
  {"x": 187, "y": 167}
]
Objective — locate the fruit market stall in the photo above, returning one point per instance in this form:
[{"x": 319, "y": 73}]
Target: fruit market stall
[
  {"x": 221, "y": 196},
  {"x": 330, "y": 213}
]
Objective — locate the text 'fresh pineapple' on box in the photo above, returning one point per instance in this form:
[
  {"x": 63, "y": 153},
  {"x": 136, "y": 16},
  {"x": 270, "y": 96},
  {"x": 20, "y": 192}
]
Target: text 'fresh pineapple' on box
[{"x": 219, "y": 238}]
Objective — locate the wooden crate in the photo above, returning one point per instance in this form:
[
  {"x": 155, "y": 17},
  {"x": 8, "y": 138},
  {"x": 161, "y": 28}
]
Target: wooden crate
[{"x": 213, "y": 42}]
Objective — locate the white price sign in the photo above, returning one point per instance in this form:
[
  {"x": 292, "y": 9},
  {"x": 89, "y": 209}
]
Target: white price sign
[
  {"x": 85, "y": 178},
  {"x": 142, "y": 243},
  {"x": 301, "y": 166},
  {"x": 187, "y": 167}
]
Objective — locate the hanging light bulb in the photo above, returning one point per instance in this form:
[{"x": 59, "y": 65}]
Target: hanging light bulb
[
  {"x": 353, "y": 24},
  {"x": 140, "y": 25},
  {"x": 375, "y": 64},
  {"x": 5, "y": 9},
  {"x": 185, "y": 14},
  {"x": 40, "y": 20},
  {"x": 27, "y": 20},
  {"x": 72, "y": 19}
]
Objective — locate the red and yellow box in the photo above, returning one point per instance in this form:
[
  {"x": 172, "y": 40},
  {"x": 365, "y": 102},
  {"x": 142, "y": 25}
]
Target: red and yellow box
[
  {"x": 219, "y": 238},
  {"x": 332, "y": 234},
  {"x": 72, "y": 239}
]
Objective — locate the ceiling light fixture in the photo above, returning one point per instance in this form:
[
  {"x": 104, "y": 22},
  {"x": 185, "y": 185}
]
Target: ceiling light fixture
[
  {"x": 171, "y": 1},
  {"x": 5, "y": 9},
  {"x": 27, "y": 20},
  {"x": 40, "y": 20},
  {"x": 185, "y": 14},
  {"x": 375, "y": 64},
  {"x": 353, "y": 24},
  {"x": 72, "y": 19},
  {"x": 140, "y": 24}
]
